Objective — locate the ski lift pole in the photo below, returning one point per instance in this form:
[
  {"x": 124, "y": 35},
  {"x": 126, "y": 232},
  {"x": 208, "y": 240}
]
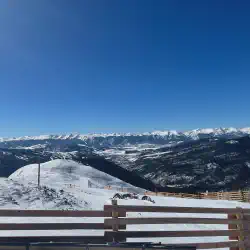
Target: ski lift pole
[
  {"x": 39, "y": 168},
  {"x": 38, "y": 175}
]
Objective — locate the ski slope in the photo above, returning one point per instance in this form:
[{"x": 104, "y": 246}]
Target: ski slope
[
  {"x": 62, "y": 173},
  {"x": 55, "y": 175}
]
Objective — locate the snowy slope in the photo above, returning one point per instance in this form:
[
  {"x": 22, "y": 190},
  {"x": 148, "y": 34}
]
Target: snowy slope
[
  {"x": 20, "y": 191},
  {"x": 98, "y": 198},
  {"x": 62, "y": 173},
  {"x": 18, "y": 195},
  {"x": 65, "y": 184}
]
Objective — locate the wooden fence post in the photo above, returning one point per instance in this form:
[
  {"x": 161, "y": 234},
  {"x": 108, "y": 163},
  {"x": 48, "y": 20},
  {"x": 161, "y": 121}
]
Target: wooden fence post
[
  {"x": 240, "y": 216},
  {"x": 248, "y": 196},
  {"x": 115, "y": 215},
  {"x": 232, "y": 226},
  {"x": 242, "y": 195},
  {"x": 115, "y": 227}
]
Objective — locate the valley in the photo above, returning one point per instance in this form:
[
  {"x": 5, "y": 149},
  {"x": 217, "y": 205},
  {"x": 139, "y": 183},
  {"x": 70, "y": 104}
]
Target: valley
[{"x": 192, "y": 161}]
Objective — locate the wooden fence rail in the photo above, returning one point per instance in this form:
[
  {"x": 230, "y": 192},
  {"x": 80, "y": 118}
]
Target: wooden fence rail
[
  {"x": 241, "y": 195},
  {"x": 116, "y": 219},
  {"x": 238, "y": 221}
]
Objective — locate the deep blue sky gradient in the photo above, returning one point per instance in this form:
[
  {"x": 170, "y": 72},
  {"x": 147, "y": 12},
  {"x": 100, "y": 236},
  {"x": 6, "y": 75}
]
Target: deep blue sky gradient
[{"x": 123, "y": 66}]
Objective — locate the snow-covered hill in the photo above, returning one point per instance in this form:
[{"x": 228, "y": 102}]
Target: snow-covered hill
[
  {"x": 20, "y": 192},
  {"x": 21, "y": 195},
  {"x": 13, "y": 159},
  {"x": 65, "y": 184},
  {"x": 65, "y": 173}
]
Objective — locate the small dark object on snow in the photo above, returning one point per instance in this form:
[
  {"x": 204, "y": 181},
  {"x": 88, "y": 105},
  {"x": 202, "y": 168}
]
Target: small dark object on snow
[
  {"x": 129, "y": 196},
  {"x": 125, "y": 196},
  {"x": 132, "y": 196},
  {"x": 117, "y": 196},
  {"x": 147, "y": 198}
]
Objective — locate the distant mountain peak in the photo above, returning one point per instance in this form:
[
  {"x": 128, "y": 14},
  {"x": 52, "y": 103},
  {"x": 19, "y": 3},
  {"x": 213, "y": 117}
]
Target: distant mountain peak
[{"x": 116, "y": 139}]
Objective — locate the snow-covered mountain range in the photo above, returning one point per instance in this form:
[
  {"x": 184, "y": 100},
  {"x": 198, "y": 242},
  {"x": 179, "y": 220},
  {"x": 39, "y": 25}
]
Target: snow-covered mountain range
[
  {"x": 74, "y": 173},
  {"x": 198, "y": 165},
  {"x": 201, "y": 159},
  {"x": 115, "y": 139}
]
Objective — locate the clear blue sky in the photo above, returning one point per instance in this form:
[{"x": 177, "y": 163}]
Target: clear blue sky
[{"x": 120, "y": 66}]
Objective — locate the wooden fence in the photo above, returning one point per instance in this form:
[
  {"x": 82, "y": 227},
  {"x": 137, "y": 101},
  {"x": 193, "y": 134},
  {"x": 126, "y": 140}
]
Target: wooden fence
[
  {"x": 241, "y": 195},
  {"x": 237, "y": 221},
  {"x": 116, "y": 219}
]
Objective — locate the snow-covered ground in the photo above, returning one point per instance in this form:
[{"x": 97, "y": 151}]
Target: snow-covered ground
[
  {"x": 68, "y": 174},
  {"x": 20, "y": 191}
]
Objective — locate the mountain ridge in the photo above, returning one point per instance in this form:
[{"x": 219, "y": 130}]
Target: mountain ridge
[
  {"x": 201, "y": 159},
  {"x": 215, "y": 131},
  {"x": 116, "y": 139}
]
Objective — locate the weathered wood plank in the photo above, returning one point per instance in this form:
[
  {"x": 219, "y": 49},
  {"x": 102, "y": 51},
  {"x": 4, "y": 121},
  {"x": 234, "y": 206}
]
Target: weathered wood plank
[
  {"x": 55, "y": 226},
  {"x": 147, "y": 234},
  {"x": 30, "y": 239},
  {"x": 168, "y": 220},
  {"x": 13, "y": 247},
  {"x": 54, "y": 213},
  {"x": 161, "y": 209},
  {"x": 80, "y": 247},
  {"x": 211, "y": 245}
]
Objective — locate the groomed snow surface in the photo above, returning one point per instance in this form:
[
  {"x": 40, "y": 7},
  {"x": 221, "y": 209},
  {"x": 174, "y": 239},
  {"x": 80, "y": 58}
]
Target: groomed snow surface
[{"x": 20, "y": 191}]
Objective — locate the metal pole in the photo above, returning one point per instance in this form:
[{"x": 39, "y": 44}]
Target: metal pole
[{"x": 38, "y": 177}]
